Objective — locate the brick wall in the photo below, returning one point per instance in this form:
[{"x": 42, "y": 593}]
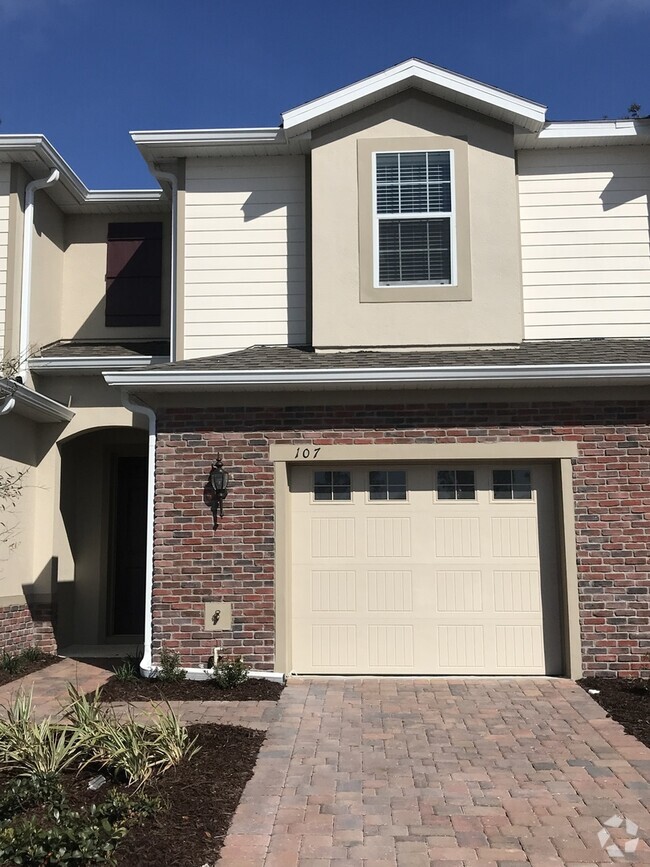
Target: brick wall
[
  {"x": 193, "y": 563},
  {"x": 23, "y": 626}
]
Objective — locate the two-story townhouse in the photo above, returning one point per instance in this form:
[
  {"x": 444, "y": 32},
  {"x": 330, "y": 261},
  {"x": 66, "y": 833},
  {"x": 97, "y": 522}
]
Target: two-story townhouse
[
  {"x": 412, "y": 324},
  {"x": 84, "y": 287}
]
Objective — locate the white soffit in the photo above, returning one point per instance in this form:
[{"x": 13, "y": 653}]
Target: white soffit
[
  {"x": 423, "y": 76},
  {"x": 586, "y": 133}
]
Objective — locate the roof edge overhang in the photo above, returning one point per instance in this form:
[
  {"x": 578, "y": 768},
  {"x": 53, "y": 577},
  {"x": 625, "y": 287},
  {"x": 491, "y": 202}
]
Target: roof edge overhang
[
  {"x": 586, "y": 133},
  {"x": 31, "y": 149},
  {"x": 51, "y": 365},
  {"x": 34, "y": 405},
  {"x": 414, "y": 73},
  {"x": 404, "y": 377}
]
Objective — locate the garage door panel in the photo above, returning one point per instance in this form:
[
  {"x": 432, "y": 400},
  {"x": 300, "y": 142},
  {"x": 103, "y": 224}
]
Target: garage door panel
[
  {"x": 517, "y": 591},
  {"x": 390, "y": 591},
  {"x": 332, "y": 537},
  {"x": 422, "y": 585},
  {"x": 388, "y": 536},
  {"x": 514, "y": 536}
]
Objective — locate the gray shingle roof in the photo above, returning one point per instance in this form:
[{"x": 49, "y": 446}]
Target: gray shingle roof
[
  {"x": 531, "y": 352},
  {"x": 95, "y": 349}
]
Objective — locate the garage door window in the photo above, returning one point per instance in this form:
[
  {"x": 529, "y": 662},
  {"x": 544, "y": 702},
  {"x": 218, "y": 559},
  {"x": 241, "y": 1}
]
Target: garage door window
[
  {"x": 511, "y": 485},
  {"x": 387, "y": 485},
  {"x": 456, "y": 485},
  {"x": 332, "y": 485}
]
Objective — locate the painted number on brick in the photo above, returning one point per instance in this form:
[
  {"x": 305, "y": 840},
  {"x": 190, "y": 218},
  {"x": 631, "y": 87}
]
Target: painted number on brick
[{"x": 306, "y": 454}]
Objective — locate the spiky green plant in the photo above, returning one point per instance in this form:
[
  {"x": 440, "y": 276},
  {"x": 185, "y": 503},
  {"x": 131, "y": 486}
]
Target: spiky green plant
[{"x": 36, "y": 749}]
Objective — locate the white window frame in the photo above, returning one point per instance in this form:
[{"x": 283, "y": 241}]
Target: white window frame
[{"x": 418, "y": 215}]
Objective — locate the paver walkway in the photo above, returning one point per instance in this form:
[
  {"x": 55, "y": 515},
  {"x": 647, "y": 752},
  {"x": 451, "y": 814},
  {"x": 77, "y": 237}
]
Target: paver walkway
[
  {"x": 49, "y": 690},
  {"x": 405, "y": 772},
  {"x": 49, "y": 686}
]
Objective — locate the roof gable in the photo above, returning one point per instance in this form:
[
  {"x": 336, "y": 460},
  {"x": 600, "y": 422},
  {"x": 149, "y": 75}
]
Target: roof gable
[{"x": 422, "y": 76}]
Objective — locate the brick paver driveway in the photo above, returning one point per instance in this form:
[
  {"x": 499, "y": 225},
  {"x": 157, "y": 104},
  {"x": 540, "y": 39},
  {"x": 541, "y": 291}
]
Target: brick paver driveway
[{"x": 439, "y": 772}]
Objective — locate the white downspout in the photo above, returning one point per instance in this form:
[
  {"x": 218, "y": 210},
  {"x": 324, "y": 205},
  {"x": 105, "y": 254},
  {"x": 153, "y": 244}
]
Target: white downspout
[
  {"x": 26, "y": 277},
  {"x": 172, "y": 180},
  {"x": 145, "y": 663}
]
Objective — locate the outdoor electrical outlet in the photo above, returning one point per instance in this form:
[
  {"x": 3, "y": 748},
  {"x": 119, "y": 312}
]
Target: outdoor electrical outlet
[{"x": 218, "y": 616}]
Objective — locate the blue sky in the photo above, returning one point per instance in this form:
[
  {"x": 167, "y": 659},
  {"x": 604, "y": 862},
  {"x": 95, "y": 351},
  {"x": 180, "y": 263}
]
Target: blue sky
[{"x": 85, "y": 72}]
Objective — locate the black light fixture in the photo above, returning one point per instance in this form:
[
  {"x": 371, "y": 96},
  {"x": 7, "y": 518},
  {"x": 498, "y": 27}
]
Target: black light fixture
[{"x": 219, "y": 479}]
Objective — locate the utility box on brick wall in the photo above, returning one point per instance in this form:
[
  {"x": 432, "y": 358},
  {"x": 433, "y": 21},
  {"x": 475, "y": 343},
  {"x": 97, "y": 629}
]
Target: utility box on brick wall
[{"x": 218, "y": 616}]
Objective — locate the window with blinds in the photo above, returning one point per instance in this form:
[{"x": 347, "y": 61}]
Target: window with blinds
[{"x": 414, "y": 217}]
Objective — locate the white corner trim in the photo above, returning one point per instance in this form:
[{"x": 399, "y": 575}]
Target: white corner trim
[
  {"x": 51, "y": 364},
  {"x": 35, "y": 404},
  {"x": 474, "y": 375},
  {"x": 450, "y": 85}
]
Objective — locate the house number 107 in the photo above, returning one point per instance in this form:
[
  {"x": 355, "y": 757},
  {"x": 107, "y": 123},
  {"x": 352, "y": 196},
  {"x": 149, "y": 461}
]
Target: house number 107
[{"x": 306, "y": 454}]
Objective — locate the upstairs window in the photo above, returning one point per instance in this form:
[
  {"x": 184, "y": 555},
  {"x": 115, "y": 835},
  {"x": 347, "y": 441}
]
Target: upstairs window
[
  {"x": 414, "y": 218},
  {"x": 133, "y": 274}
]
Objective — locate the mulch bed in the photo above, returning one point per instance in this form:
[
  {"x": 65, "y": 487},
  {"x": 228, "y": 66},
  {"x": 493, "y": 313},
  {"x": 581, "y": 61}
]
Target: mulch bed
[
  {"x": 627, "y": 700},
  {"x": 200, "y": 796},
  {"x": 27, "y": 668},
  {"x": 150, "y": 689}
]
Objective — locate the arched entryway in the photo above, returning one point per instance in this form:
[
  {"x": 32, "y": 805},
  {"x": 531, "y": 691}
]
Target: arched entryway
[{"x": 101, "y": 580}]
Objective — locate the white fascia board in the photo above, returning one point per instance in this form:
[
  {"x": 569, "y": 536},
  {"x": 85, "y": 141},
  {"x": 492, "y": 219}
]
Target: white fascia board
[
  {"x": 52, "y": 159},
  {"x": 92, "y": 364},
  {"x": 497, "y": 375},
  {"x": 250, "y": 135},
  {"x": 530, "y": 115},
  {"x": 587, "y": 132},
  {"x": 34, "y": 404}
]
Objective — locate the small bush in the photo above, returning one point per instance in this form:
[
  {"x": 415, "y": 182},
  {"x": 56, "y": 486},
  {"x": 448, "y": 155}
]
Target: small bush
[
  {"x": 170, "y": 668},
  {"x": 229, "y": 672},
  {"x": 21, "y": 793},
  {"x": 11, "y": 663},
  {"x": 126, "y": 672},
  {"x": 70, "y": 837},
  {"x": 33, "y": 654}
]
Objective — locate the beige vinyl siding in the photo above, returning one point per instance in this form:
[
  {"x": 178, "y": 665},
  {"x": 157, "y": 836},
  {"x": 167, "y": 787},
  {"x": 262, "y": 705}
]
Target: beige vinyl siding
[
  {"x": 585, "y": 242},
  {"x": 244, "y": 253},
  {"x": 4, "y": 244}
]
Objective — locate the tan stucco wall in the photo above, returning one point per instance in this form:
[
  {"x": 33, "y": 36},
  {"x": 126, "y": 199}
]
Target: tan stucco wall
[
  {"x": 494, "y": 312},
  {"x": 19, "y": 450},
  {"x": 84, "y": 278},
  {"x": 47, "y": 272}
]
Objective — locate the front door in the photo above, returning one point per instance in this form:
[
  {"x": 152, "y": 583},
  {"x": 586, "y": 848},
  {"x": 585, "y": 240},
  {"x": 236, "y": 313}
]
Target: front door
[{"x": 129, "y": 534}]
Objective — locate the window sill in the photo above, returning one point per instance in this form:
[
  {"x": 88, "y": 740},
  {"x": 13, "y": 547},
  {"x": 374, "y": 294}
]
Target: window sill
[{"x": 415, "y": 292}]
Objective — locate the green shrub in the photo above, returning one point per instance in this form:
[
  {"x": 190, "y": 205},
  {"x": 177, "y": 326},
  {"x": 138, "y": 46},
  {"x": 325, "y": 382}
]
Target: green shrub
[
  {"x": 70, "y": 837},
  {"x": 21, "y": 793},
  {"x": 170, "y": 668},
  {"x": 230, "y": 671},
  {"x": 11, "y": 663},
  {"x": 126, "y": 672},
  {"x": 33, "y": 654}
]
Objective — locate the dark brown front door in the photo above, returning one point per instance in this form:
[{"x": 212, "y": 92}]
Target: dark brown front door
[{"x": 129, "y": 545}]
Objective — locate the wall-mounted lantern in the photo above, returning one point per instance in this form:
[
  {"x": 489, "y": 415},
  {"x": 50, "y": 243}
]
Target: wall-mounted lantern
[{"x": 219, "y": 479}]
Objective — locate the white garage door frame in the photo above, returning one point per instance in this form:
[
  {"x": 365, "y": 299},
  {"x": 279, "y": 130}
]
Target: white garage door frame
[{"x": 558, "y": 454}]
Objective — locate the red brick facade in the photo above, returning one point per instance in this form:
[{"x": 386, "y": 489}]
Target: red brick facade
[
  {"x": 23, "y": 626},
  {"x": 193, "y": 563}
]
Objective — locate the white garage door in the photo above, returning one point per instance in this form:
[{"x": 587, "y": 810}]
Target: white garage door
[{"x": 424, "y": 569}]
